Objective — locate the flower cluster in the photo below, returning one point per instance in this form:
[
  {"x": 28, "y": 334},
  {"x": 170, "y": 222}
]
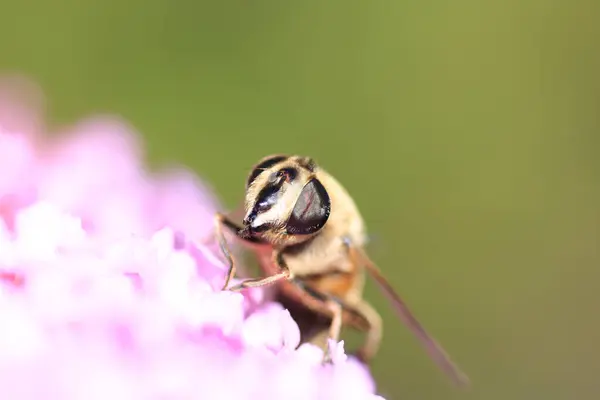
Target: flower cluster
[{"x": 108, "y": 292}]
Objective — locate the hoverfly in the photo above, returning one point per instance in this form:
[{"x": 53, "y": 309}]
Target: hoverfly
[{"x": 309, "y": 237}]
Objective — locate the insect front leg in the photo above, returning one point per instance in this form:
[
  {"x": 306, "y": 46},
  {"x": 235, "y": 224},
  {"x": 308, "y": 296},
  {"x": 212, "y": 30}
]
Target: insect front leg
[
  {"x": 284, "y": 273},
  {"x": 222, "y": 221}
]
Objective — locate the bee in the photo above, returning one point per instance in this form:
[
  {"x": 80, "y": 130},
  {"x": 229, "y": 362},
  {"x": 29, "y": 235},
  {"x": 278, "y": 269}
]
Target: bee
[{"x": 309, "y": 239}]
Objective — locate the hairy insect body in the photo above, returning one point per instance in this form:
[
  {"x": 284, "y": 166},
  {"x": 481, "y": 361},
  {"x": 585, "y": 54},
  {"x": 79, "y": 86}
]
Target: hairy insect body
[
  {"x": 308, "y": 235},
  {"x": 321, "y": 262}
]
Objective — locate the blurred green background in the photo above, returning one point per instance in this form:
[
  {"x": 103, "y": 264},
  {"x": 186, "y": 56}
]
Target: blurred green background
[{"x": 467, "y": 132}]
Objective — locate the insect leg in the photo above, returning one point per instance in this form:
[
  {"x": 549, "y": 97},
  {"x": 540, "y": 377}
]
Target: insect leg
[
  {"x": 256, "y": 282},
  {"x": 223, "y": 221},
  {"x": 335, "y": 327},
  {"x": 336, "y": 323},
  {"x": 220, "y": 220},
  {"x": 326, "y": 316},
  {"x": 374, "y": 333}
]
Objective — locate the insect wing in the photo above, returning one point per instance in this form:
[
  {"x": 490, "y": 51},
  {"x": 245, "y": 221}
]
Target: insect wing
[{"x": 434, "y": 349}]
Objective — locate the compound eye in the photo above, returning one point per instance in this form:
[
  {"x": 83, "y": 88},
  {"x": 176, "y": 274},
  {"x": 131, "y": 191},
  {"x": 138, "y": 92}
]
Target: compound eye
[{"x": 311, "y": 210}]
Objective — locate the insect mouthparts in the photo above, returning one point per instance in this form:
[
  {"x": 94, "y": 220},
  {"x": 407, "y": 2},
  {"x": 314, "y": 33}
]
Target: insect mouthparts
[{"x": 245, "y": 232}]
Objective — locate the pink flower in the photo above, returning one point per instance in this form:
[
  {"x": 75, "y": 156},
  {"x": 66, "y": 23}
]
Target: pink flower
[{"x": 106, "y": 290}]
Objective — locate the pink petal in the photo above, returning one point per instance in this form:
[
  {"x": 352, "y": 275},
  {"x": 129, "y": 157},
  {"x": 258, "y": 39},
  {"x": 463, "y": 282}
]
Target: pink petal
[{"x": 109, "y": 287}]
